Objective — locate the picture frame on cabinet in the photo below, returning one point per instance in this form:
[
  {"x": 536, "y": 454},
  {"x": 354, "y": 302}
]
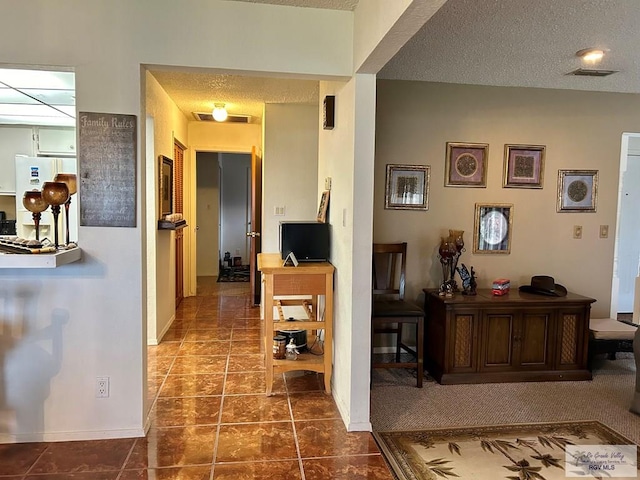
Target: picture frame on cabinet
[
  {"x": 466, "y": 164},
  {"x": 493, "y": 228},
  {"x": 523, "y": 166},
  {"x": 407, "y": 187},
  {"x": 166, "y": 186},
  {"x": 577, "y": 191}
]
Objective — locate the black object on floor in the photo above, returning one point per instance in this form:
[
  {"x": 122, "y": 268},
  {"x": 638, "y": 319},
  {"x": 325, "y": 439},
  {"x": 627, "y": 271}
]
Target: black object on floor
[{"x": 234, "y": 274}]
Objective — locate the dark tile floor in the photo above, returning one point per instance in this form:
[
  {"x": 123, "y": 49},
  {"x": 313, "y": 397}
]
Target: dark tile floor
[{"x": 210, "y": 418}]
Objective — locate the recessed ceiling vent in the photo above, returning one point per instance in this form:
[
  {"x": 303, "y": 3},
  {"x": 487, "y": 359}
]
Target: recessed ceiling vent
[
  {"x": 587, "y": 72},
  {"x": 208, "y": 117}
]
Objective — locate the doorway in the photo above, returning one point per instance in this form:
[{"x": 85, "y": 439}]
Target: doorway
[
  {"x": 627, "y": 242},
  {"x": 223, "y": 199}
]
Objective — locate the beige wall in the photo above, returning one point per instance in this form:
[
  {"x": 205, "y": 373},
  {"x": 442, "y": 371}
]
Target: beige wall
[{"x": 581, "y": 130}]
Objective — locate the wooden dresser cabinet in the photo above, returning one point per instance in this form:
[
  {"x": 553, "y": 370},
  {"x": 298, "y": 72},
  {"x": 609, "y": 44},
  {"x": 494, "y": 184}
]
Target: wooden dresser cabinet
[{"x": 513, "y": 338}]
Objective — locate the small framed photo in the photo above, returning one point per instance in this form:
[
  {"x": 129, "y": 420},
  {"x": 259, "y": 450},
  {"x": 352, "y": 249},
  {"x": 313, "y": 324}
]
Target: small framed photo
[
  {"x": 166, "y": 186},
  {"x": 324, "y": 205},
  {"x": 493, "y": 228},
  {"x": 407, "y": 187},
  {"x": 466, "y": 164},
  {"x": 577, "y": 190},
  {"x": 523, "y": 166}
]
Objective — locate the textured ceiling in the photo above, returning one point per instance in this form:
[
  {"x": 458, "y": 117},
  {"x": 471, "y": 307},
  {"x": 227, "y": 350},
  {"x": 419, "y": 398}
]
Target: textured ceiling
[
  {"x": 524, "y": 43},
  {"x": 198, "y": 92},
  {"x": 330, "y": 4}
]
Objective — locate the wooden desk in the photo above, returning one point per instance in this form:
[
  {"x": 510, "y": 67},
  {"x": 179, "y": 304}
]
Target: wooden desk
[
  {"x": 307, "y": 279},
  {"x": 513, "y": 338}
]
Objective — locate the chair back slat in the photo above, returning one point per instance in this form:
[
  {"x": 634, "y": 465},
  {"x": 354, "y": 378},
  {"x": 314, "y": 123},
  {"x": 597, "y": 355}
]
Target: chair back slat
[{"x": 389, "y": 265}]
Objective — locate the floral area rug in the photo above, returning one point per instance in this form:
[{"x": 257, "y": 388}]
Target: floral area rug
[
  {"x": 513, "y": 452},
  {"x": 235, "y": 274}
]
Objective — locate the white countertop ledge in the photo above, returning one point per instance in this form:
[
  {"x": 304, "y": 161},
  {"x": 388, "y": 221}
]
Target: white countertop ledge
[{"x": 39, "y": 260}]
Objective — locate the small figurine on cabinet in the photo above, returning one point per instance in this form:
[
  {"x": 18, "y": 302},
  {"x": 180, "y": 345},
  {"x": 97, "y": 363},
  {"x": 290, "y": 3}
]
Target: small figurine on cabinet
[{"x": 469, "y": 284}]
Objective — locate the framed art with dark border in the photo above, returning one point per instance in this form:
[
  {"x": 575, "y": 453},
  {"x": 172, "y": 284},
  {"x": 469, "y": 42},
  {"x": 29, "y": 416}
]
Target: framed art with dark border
[
  {"x": 407, "y": 187},
  {"x": 577, "y": 190},
  {"x": 166, "y": 186},
  {"x": 523, "y": 166},
  {"x": 493, "y": 228},
  {"x": 466, "y": 164}
]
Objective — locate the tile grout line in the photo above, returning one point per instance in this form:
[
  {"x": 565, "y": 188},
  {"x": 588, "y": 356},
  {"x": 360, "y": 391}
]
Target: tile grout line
[{"x": 293, "y": 426}]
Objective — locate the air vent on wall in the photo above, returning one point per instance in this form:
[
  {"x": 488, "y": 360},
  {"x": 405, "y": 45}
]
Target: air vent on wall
[
  {"x": 585, "y": 72},
  {"x": 208, "y": 117}
]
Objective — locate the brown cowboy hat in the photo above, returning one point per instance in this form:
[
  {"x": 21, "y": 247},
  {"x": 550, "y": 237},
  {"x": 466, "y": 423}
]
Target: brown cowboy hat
[{"x": 544, "y": 285}]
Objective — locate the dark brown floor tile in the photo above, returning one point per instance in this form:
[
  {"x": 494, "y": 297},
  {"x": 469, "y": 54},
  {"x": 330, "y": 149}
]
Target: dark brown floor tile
[
  {"x": 255, "y": 441},
  {"x": 165, "y": 447},
  {"x": 205, "y": 348},
  {"x": 153, "y": 385},
  {"x": 165, "y": 348},
  {"x": 199, "y": 364},
  {"x": 195, "y": 335},
  {"x": 244, "y": 322},
  {"x": 17, "y": 458},
  {"x": 286, "y": 470},
  {"x": 367, "y": 467},
  {"x": 113, "y": 475},
  {"x": 172, "y": 473},
  {"x": 255, "y": 408},
  {"x": 246, "y": 363},
  {"x": 158, "y": 365},
  {"x": 327, "y": 438},
  {"x": 247, "y": 348},
  {"x": 185, "y": 411},
  {"x": 247, "y": 334},
  {"x": 313, "y": 405},
  {"x": 93, "y": 456},
  {"x": 176, "y": 333},
  {"x": 303, "y": 381},
  {"x": 192, "y": 385}
]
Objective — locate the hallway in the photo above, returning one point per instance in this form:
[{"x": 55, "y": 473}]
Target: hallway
[{"x": 210, "y": 417}]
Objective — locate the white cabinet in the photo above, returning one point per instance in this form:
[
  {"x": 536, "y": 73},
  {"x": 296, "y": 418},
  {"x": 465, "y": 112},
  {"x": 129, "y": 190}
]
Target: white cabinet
[
  {"x": 56, "y": 141},
  {"x": 13, "y": 141}
]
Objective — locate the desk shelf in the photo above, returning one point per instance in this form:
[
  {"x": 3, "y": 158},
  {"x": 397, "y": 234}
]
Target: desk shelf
[
  {"x": 311, "y": 280},
  {"x": 40, "y": 260}
]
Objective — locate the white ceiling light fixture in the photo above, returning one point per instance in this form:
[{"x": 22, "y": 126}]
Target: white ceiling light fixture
[
  {"x": 591, "y": 55},
  {"x": 219, "y": 112}
]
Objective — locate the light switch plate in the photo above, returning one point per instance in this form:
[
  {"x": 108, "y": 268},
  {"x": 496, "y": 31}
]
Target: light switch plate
[
  {"x": 577, "y": 231},
  {"x": 604, "y": 231}
]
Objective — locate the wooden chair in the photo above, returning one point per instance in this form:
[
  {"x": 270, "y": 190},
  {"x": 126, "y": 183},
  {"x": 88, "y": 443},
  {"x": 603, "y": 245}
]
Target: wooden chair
[{"x": 390, "y": 311}]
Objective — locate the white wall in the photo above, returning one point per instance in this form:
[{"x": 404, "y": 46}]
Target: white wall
[
  {"x": 581, "y": 130},
  {"x": 235, "y": 181},
  {"x": 290, "y": 168},
  {"x": 208, "y": 214},
  {"x": 63, "y": 328}
]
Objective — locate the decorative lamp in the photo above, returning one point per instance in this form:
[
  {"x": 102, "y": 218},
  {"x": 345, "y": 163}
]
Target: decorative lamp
[
  {"x": 219, "y": 112},
  {"x": 55, "y": 194},
  {"x": 72, "y": 184},
  {"x": 33, "y": 201}
]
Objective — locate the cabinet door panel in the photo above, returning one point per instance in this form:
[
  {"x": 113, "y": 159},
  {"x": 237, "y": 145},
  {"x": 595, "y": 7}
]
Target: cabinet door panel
[
  {"x": 463, "y": 343},
  {"x": 498, "y": 345},
  {"x": 571, "y": 347},
  {"x": 533, "y": 339}
]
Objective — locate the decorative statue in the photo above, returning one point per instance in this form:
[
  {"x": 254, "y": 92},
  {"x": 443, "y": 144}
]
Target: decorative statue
[
  {"x": 635, "y": 404},
  {"x": 469, "y": 284}
]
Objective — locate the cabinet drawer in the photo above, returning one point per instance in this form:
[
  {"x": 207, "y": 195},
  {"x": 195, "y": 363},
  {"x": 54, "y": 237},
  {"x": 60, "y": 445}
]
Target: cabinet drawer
[{"x": 299, "y": 284}]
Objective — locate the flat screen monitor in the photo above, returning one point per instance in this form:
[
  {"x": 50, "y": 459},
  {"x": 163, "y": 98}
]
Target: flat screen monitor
[{"x": 309, "y": 241}]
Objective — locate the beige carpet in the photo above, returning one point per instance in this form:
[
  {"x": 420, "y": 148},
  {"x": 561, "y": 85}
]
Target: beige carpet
[
  {"x": 396, "y": 403},
  {"x": 515, "y": 452}
]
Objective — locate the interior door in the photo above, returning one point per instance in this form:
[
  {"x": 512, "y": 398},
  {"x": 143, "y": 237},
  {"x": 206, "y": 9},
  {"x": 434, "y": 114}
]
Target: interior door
[
  {"x": 178, "y": 154},
  {"x": 255, "y": 226}
]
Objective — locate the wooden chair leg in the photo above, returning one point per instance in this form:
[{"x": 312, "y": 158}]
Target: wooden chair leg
[
  {"x": 399, "y": 342},
  {"x": 420, "y": 350}
]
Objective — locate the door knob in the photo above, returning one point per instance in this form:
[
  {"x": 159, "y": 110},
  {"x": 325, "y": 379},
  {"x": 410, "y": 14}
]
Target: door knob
[{"x": 253, "y": 234}]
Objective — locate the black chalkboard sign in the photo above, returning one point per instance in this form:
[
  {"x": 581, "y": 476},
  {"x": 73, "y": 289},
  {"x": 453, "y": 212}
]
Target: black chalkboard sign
[{"x": 107, "y": 166}]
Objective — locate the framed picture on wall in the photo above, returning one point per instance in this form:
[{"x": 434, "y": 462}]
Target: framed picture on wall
[
  {"x": 166, "y": 186},
  {"x": 466, "y": 164},
  {"x": 577, "y": 190},
  {"x": 324, "y": 205},
  {"x": 493, "y": 228},
  {"x": 407, "y": 187},
  {"x": 523, "y": 166}
]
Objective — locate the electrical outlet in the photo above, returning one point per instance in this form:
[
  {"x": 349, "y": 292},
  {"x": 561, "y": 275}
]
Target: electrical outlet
[
  {"x": 577, "y": 231},
  {"x": 327, "y": 183},
  {"x": 278, "y": 211},
  {"x": 604, "y": 231},
  {"x": 102, "y": 387}
]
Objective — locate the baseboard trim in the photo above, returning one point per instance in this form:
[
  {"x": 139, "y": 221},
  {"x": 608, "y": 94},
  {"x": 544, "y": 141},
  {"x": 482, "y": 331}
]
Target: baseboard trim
[
  {"x": 156, "y": 341},
  {"x": 71, "y": 436}
]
